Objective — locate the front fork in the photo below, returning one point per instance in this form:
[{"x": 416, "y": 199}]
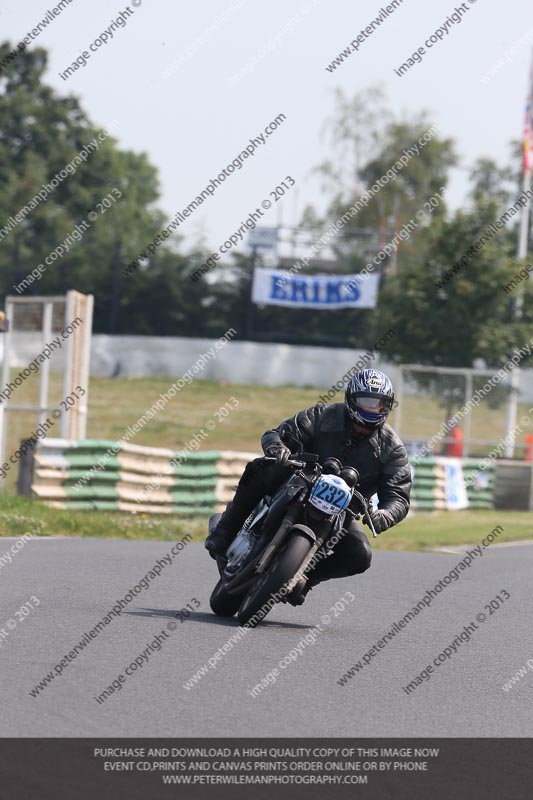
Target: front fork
[
  {"x": 324, "y": 538},
  {"x": 318, "y": 542}
]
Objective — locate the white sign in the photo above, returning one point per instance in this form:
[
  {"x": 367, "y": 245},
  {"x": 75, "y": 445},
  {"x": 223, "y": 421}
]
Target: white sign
[
  {"x": 274, "y": 288},
  {"x": 263, "y": 238},
  {"x": 456, "y": 495}
]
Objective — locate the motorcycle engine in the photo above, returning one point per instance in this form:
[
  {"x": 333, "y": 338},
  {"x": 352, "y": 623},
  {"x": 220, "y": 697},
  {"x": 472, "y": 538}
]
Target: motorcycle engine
[{"x": 239, "y": 549}]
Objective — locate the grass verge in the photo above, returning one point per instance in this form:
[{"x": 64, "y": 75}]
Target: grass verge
[{"x": 422, "y": 531}]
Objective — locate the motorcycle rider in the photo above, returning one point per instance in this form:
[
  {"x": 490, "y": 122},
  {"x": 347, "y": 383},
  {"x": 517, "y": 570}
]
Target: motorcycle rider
[{"x": 356, "y": 432}]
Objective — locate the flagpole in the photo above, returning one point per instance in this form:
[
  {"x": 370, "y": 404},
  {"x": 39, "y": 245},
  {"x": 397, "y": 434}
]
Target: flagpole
[
  {"x": 512, "y": 405},
  {"x": 523, "y": 240}
]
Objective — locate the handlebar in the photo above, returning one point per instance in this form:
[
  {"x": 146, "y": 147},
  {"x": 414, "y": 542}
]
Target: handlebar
[
  {"x": 291, "y": 462},
  {"x": 306, "y": 459},
  {"x": 365, "y": 505},
  {"x": 303, "y": 460}
]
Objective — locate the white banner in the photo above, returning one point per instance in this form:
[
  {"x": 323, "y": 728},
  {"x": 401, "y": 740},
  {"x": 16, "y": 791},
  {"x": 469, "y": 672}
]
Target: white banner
[
  {"x": 456, "y": 494},
  {"x": 274, "y": 288}
]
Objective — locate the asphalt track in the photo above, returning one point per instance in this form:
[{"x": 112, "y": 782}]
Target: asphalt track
[{"x": 78, "y": 581}]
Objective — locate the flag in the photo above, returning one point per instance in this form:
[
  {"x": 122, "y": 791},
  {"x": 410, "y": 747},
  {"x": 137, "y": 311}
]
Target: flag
[{"x": 528, "y": 128}]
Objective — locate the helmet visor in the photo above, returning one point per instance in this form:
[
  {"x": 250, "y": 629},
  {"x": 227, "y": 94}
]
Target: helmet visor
[{"x": 373, "y": 405}]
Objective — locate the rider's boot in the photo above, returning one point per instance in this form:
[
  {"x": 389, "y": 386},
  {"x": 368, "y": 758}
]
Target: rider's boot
[
  {"x": 227, "y": 528},
  {"x": 298, "y": 594}
]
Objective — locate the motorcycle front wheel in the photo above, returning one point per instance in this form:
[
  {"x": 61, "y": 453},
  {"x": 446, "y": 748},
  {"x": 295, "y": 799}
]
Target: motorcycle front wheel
[{"x": 286, "y": 563}]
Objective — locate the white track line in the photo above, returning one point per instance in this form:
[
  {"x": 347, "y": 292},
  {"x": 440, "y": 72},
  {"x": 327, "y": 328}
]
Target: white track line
[
  {"x": 35, "y": 538},
  {"x": 464, "y": 548}
]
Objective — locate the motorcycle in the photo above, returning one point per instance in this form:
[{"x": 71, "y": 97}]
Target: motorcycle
[{"x": 285, "y": 536}]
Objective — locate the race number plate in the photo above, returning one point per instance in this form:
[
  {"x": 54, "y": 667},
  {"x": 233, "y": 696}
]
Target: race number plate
[{"x": 331, "y": 494}]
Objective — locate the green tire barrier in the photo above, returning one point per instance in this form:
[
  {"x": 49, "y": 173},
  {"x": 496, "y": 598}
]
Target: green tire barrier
[
  {"x": 109, "y": 476},
  {"x": 429, "y": 484},
  {"x": 94, "y": 474}
]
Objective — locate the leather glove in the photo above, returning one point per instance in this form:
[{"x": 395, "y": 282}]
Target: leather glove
[
  {"x": 279, "y": 452},
  {"x": 380, "y": 520}
]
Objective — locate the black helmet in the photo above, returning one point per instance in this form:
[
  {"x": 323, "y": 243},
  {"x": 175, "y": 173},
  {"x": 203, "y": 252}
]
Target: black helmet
[{"x": 369, "y": 398}]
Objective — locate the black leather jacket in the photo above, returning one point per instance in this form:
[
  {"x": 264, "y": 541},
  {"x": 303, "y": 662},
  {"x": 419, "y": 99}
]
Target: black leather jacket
[{"x": 380, "y": 459}]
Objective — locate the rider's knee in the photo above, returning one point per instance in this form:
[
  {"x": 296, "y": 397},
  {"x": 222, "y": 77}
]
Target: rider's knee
[
  {"x": 365, "y": 559},
  {"x": 264, "y": 474},
  {"x": 361, "y": 557},
  {"x": 251, "y": 471}
]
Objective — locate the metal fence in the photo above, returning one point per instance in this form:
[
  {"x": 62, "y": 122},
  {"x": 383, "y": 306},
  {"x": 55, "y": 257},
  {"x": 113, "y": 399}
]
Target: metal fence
[{"x": 430, "y": 397}]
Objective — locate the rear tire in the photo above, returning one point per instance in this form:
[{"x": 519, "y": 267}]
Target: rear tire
[
  {"x": 285, "y": 567},
  {"x": 224, "y": 604}
]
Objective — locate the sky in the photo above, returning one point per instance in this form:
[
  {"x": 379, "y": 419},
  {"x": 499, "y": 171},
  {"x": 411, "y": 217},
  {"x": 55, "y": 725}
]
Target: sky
[{"x": 165, "y": 77}]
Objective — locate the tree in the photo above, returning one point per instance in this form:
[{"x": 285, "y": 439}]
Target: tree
[
  {"x": 469, "y": 315},
  {"x": 368, "y": 143},
  {"x": 42, "y": 133},
  {"x": 491, "y": 182}
]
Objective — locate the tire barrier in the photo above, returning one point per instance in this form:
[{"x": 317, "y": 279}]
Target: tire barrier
[
  {"x": 103, "y": 475},
  {"x": 109, "y": 476},
  {"x": 430, "y": 488}
]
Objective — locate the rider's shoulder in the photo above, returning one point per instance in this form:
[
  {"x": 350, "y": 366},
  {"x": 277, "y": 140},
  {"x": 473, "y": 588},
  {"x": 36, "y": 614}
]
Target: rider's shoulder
[
  {"x": 389, "y": 439},
  {"x": 330, "y": 413},
  {"x": 325, "y": 408}
]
